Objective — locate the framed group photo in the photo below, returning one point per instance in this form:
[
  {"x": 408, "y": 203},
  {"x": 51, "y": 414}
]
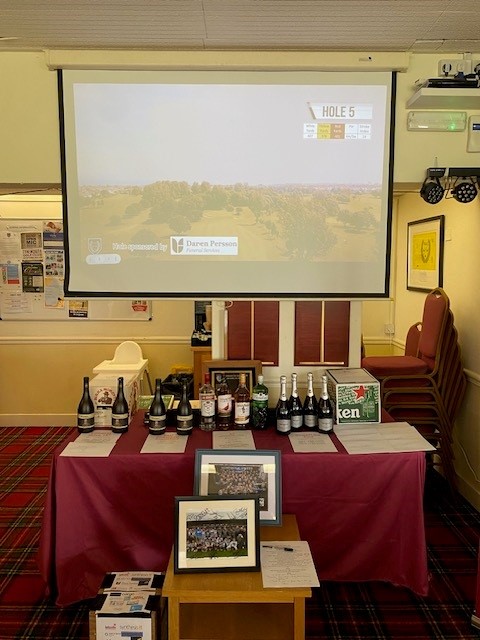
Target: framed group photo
[
  {"x": 228, "y": 472},
  {"x": 216, "y": 534},
  {"x": 425, "y": 254},
  {"x": 230, "y": 370}
]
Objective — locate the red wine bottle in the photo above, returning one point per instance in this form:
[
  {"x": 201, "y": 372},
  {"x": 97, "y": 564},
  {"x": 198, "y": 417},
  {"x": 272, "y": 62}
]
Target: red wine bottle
[
  {"x": 86, "y": 410},
  {"x": 184, "y": 413},
  {"x": 120, "y": 410},
  {"x": 157, "y": 414}
]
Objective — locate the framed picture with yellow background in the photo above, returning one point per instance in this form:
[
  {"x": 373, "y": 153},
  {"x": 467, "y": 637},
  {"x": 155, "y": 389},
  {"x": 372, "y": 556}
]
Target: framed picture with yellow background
[{"x": 425, "y": 240}]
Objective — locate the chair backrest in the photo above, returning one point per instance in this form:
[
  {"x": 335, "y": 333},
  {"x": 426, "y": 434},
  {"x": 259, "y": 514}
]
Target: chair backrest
[
  {"x": 128, "y": 352},
  {"x": 435, "y": 314},
  {"x": 412, "y": 339}
]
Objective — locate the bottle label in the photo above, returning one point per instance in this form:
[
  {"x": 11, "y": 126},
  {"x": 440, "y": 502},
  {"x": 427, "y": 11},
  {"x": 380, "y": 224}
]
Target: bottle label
[
  {"x": 242, "y": 412},
  {"x": 297, "y": 421},
  {"x": 120, "y": 421},
  {"x": 184, "y": 423},
  {"x": 325, "y": 424},
  {"x": 157, "y": 424},
  {"x": 157, "y": 420},
  {"x": 260, "y": 397},
  {"x": 86, "y": 419},
  {"x": 310, "y": 420},
  {"x": 283, "y": 425},
  {"x": 207, "y": 406},
  {"x": 224, "y": 405}
]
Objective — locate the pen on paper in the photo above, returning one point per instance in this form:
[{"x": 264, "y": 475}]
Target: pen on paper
[{"x": 271, "y": 546}]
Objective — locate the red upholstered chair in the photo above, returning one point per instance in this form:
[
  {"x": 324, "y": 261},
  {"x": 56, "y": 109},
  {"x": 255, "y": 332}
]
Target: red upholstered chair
[{"x": 429, "y": 399}]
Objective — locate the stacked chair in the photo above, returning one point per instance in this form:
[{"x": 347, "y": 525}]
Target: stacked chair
[{"x": 426, "y": 385}]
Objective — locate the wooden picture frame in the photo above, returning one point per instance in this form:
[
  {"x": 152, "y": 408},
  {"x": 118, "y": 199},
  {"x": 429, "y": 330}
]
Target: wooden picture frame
[
  {"x": 231, "y": 370},
  {"x": 216, "y": 533},
  {"x": 239, "y": 472},
  {"x": 425, "y": 239}
]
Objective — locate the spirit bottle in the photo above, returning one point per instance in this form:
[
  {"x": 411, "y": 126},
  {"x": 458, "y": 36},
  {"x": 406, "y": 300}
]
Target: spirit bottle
[
  {"x": 86, "y": 410},
  {"x": 206, "y": 395},
  {"x": 325, "y": 410},
  {"x": 224, "y": 405},
  {"x": 242, "y": 405},
  {"x": 259, "y": 404},
  {"x": 157, "y": 416}
]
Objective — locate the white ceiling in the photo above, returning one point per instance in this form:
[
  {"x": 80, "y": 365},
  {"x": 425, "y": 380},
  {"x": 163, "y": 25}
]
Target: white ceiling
[{"x": 421, "y": 26}]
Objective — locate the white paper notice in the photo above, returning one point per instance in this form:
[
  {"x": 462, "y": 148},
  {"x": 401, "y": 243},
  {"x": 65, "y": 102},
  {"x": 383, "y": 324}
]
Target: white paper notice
[
  {"x": 287, "y": 564},
  {"x": 383, "y": 437},
  {"x": 99, "y": 443},
  {"x": 132, "y": 581},
  {"x": 233, "y": 440},
  {"x": 305, "y": 442},
  {"x": 126, "y": 602},
  {"x": 169, "y": 442}
]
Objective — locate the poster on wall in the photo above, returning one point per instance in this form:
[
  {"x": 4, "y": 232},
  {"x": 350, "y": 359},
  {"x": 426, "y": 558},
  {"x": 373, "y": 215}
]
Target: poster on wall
[{"x": 425, "y": 254}]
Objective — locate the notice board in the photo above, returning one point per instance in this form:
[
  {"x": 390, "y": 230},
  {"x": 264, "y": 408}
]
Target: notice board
[{"x": 32, "y": 268}]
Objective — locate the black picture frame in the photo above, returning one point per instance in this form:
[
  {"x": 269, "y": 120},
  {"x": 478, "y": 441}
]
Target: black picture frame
[
  {"x": 215, "y": 534},
  {"x": 236, "y": 471},
  {"x": 425, "y": 245},
  {"x": 231, "y": 370}
]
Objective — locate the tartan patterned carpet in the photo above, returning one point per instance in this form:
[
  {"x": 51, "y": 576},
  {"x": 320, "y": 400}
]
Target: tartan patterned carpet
[{"x": 369, "y": 611}]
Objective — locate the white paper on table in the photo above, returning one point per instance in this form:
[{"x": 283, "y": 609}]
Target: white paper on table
[
  {"x": 97, "y": 443},
  {"x": 305, "y": 442},
  {"x": 282, "y": 568},
  {"x": 123, "y": 627},
  {"x": 169, "y": 442},
  {"x": 126, "y": 602},
  {"x": 383, "y": 437},
  {"x": 132, "y": 581},
  {"x": 233, "y": 440}
]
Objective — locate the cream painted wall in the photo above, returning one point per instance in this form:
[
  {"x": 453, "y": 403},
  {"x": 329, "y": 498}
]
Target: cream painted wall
[{"x": 34, "y": 354}]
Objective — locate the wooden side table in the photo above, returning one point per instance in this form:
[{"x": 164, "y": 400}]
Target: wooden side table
[{"x": 235, "y": 605}]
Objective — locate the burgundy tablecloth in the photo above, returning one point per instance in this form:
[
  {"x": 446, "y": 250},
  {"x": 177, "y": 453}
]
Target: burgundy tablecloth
[{"x": 361, "y": 514}]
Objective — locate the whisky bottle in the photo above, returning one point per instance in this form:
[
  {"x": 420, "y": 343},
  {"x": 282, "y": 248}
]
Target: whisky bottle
[
  {"x": 224, "y": 405},
  {"x": 206, "y": 396},
  {"x": 242, "y": 404}
]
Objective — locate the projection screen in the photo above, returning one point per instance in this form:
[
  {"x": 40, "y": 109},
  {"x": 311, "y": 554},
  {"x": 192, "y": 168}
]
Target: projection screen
[{"x": 226, "y": 184}]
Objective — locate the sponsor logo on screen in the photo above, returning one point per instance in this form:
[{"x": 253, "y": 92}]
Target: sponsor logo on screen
[{"x": 203, "y": 246}]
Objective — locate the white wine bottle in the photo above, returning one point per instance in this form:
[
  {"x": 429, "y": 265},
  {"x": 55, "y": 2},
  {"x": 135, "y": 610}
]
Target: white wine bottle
[
  {"x": 296, "y": 411},
  {"x": 310, "y": 415},
  {"x": 157, "y": 415},
  {"x": 86, "y": 410},
  {"x": 325, "y": 409},
  {"x": 120, "y": 410},
  {"x": 184, "y": 413},
  {"x": 282, "y": 412}
]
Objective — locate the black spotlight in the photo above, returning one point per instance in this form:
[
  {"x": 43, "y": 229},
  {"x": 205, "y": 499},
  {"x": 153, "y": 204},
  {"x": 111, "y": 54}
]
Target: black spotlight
[
  {"x": 432, "y": 191},
  {"x": 464, "y": 191}
]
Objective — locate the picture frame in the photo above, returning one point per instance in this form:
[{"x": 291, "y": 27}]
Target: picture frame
[
  {"x": 425, "y": 244},
  {"x": 216, "y": 533},
  {"x": 231, "y": 370},
  {"x": 235, "y": 471}
]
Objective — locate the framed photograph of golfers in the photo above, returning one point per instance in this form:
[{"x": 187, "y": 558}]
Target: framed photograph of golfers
[
  {"x": 216, "y": 533},
  {"x": 425, "y": 254},
  {"x": 229, "y": 472}
]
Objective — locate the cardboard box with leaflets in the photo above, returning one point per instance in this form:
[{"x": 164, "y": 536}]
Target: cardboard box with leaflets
[
  {"x": 103, "y": 391},
  {"x": 129, "y": 605}
]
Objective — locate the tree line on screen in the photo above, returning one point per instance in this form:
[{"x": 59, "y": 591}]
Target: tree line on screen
[{"x": 300, "y": 215}]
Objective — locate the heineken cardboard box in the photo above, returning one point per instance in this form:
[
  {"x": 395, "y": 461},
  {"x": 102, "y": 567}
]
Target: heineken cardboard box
[
  {"x": 355, "y": 395},
  {"x": 103, "y": 391}
]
